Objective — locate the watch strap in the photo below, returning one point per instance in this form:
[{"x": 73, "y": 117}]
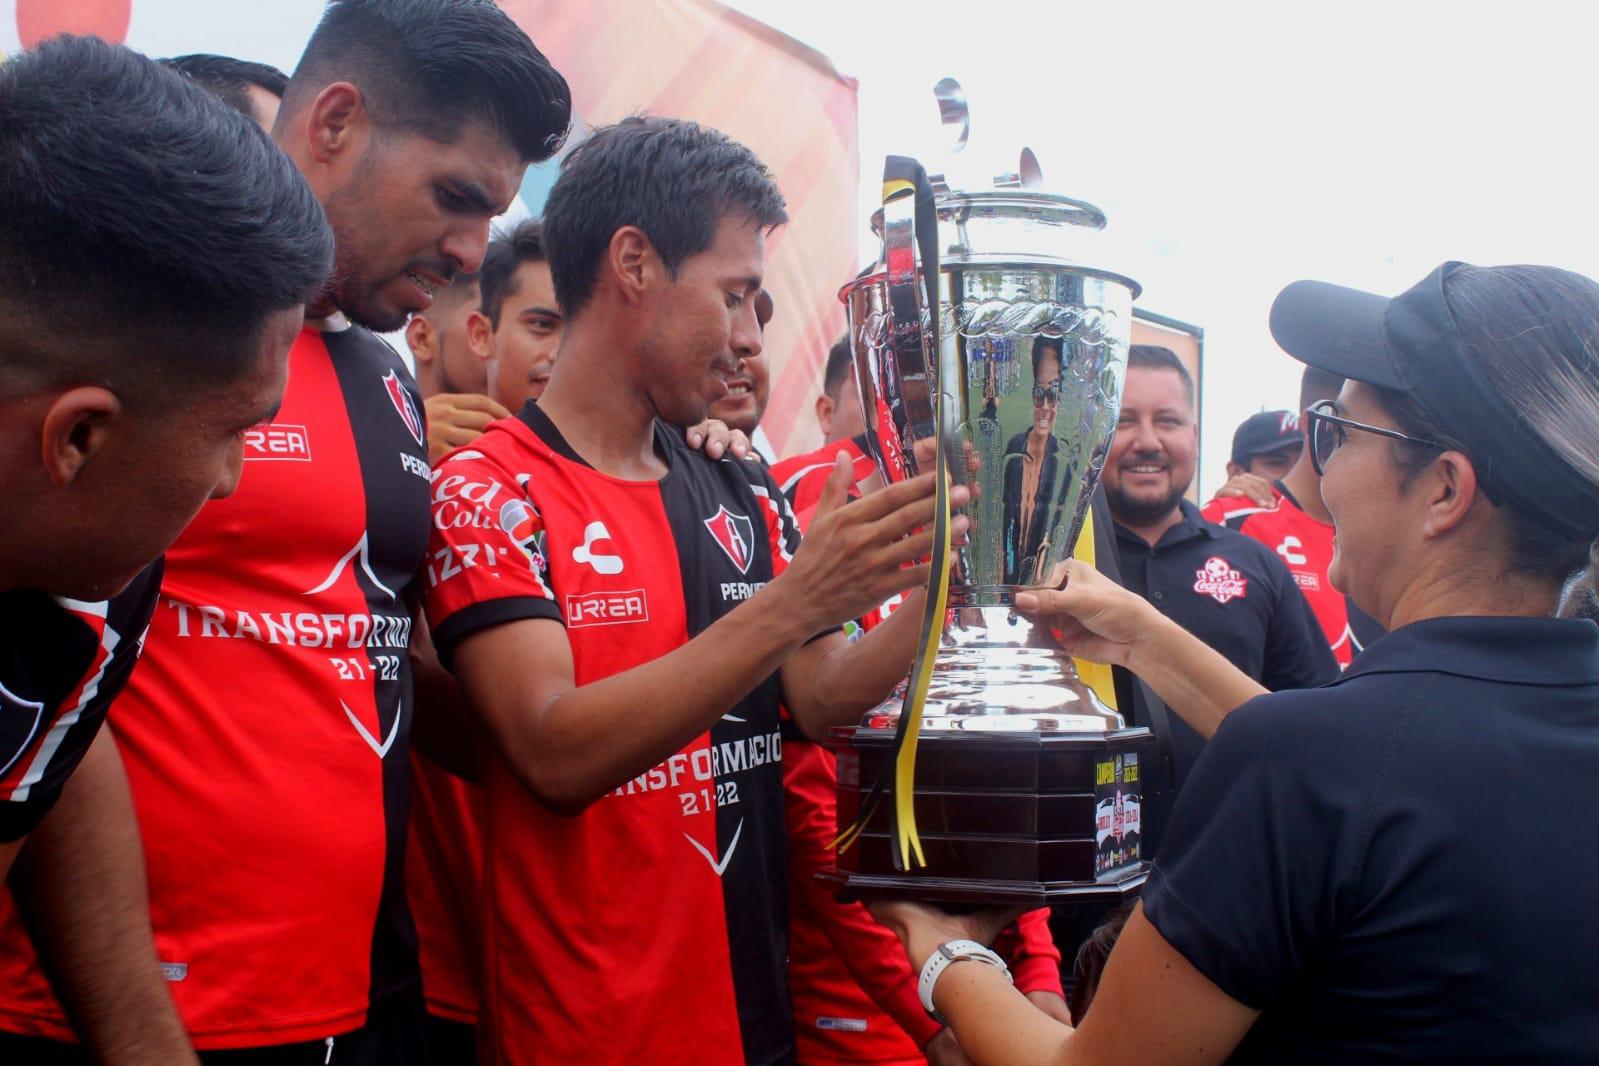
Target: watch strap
[{"x": 952, "y": 951}]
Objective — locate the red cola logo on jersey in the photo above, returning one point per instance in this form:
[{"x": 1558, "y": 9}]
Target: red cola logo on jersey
[
  {"x": 404, "y": 404},
  {"x": 735, "y": 533},
  {"x": 1218, "y": 580}
]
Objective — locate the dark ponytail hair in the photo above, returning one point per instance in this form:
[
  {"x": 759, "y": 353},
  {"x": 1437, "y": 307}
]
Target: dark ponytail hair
[{"x": 1534, "y": 334}]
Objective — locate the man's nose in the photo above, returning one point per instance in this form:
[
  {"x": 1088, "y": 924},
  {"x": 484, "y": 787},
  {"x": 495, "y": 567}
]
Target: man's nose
[
  {"x": 746, "y": 339},
  {"x": 466, "y": 244}
]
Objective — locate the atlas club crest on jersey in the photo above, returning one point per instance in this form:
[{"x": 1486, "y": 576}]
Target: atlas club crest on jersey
[
  {"x": 1218, "y": 580},
  {"x": 735, "y": 533},
  {"x": 405, "y": 405},
  {"x": 19, "y": 721}
]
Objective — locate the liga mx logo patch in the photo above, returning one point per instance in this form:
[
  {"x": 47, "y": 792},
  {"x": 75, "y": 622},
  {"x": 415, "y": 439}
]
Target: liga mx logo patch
[
  {"x": 736, "y": 535},
  {"x": 404, "y": 404}
]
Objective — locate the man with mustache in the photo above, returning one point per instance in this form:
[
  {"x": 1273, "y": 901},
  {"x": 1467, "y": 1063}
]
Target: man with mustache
[
  {"x": 267, "y": 733},
  {"x": 1229, "y": 590}
]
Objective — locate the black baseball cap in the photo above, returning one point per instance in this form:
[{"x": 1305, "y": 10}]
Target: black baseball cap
[
  {"x": 1411, "y": 343},
  {"x": 1266, "y": 432}
]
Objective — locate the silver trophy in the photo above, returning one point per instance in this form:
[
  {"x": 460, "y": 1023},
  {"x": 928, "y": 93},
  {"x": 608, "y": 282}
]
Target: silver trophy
[{"x": 1029, "y": 366}]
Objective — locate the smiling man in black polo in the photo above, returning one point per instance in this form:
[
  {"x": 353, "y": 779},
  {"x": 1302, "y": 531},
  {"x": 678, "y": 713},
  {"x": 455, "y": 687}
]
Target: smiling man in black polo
[{"x": 1229, "y": 590}]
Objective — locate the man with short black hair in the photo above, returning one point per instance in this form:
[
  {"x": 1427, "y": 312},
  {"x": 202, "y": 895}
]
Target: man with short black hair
[
  {"x": 1232, "y": 592},
  {"x": 838, "y": 408},
  {"x": 253, "y": 89},
  {"x": 838, "y": 411},
  {"x": 267, "y": 733},
  {"x": 1288, "y": 516},
  {"x": 516, "y": 328},
  {"x": 626, "y": 616},
  {"x": 449, "y": 372},
  {"x": 156, "y": 252},
  {"x": 1266, "y": 444}
]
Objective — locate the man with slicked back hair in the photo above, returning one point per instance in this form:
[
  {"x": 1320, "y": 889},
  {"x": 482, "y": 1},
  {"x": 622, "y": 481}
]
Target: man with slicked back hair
[
  {"x": 156, "y": 254},
  {"x": 267, "y": 734}
]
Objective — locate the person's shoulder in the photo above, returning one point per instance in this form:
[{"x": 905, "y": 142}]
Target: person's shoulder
[
  {"x": 784, "y": 471},
  {"x": 507, "y": 451},
  {"x": 352, "y": 341},
  {"x": 1242, "y": 549},
  {"x": 1311, "y": 727},
  {"x": 1231, "y": 511}
]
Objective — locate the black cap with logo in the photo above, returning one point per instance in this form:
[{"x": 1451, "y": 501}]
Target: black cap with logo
[
  {"x": 1266, "y": 432},
  {"x": 1412, "y": 344}
]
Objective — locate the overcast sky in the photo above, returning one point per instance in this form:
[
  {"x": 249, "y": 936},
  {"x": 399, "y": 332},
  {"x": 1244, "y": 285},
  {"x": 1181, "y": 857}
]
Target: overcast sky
[{"x": 1237, "y": 147}]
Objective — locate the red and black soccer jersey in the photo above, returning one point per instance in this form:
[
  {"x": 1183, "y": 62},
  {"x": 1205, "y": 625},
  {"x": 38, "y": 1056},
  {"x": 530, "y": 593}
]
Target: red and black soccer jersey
[
  {"x": 1306, "y": 547},
  {"x": 444, "y": 884},
  {"x": 802, "y": 477},
  {"x": 855, "y": 998},
  {"x": 266, "y": 732},
  {"x": 62, "y": 662},
  {"x": 651, "y": 927}
]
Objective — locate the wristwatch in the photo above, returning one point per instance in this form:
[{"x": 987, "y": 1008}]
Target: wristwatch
[{"x": 948, "y": 952}]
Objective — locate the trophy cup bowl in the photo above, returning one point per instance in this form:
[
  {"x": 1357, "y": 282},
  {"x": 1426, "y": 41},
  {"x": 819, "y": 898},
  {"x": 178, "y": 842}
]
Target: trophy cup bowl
[{"x": 1028, "y": 786}]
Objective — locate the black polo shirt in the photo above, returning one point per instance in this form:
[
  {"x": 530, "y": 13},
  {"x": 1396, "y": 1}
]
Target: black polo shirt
[
  {"x": 1235, "y": 594},
  {"x": 1403, "y": 865}
]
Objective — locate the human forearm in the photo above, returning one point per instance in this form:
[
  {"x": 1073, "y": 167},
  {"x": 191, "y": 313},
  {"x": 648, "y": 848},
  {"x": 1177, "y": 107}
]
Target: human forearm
[
  {"x": 1096, "y": 619},
  {"x": 835, "y": 684},
  {"x": 80, "y": 887},
  {"x": 571, "y": 744},
  {"x": 1196, "y": 681},
  {"x": 995, "y": 1024}
]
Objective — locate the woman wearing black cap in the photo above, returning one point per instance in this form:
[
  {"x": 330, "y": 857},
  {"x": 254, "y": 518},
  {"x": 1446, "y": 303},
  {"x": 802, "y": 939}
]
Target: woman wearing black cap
[{"x": 1404, "y": 864}]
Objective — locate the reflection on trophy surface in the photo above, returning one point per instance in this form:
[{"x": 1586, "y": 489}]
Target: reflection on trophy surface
[
  {"x": 1028, "y": 784},
  {"x": 1033, "y": 353}
]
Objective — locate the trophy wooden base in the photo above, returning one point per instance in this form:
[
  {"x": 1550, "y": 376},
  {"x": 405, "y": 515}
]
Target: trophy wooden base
[{"x": 1004, "y": 818}]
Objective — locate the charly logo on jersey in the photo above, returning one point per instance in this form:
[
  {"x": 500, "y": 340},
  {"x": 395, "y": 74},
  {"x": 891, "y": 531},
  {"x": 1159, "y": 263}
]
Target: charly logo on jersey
[
  {"x": 735, "y": 534},
  {"x": 1218, "y": 580},
  {"x": 590, "y": 553},
  {"x": 404, "y": 405},
  {"x": 19, "y": 723}
]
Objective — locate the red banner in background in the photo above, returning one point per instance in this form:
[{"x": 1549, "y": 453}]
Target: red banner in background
[{"x": 699, "y": 60}]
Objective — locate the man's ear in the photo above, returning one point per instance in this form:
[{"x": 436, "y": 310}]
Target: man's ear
[
  {"x": 824, "y": 414},
  {"x": 337, "y": 124},
  {"x": 480, "y": 335},
  {"x": 419, "y": 338},
  {"x": 76, "y": 426},
  {"x": 1233, "y": 470},
  {"x": 632, "y": 262},
  {"x": 1450, "y": 485}
]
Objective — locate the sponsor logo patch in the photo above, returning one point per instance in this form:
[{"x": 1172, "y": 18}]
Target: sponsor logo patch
[
  {"x": 606, "y": 608},
  {"x": 735, "y": 535},
  {"x": 1218, "y": 580},
  {"x": 277, "y": 441},
  {"x": 588, "y": 552}
]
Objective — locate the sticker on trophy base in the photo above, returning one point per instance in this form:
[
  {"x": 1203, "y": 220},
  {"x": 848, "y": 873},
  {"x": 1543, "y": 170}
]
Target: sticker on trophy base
[{"x": 1118, "y": 812}]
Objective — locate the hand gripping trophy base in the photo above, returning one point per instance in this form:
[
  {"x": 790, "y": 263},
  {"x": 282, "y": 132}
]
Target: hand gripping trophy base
[{"x": 1028, "y": 787}]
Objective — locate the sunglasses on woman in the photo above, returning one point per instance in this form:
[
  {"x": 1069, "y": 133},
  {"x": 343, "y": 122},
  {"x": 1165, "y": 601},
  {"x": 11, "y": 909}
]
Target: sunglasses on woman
[
  {"x": 1328, "y": 432},
  {"x": 1047, "y": 393}
]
